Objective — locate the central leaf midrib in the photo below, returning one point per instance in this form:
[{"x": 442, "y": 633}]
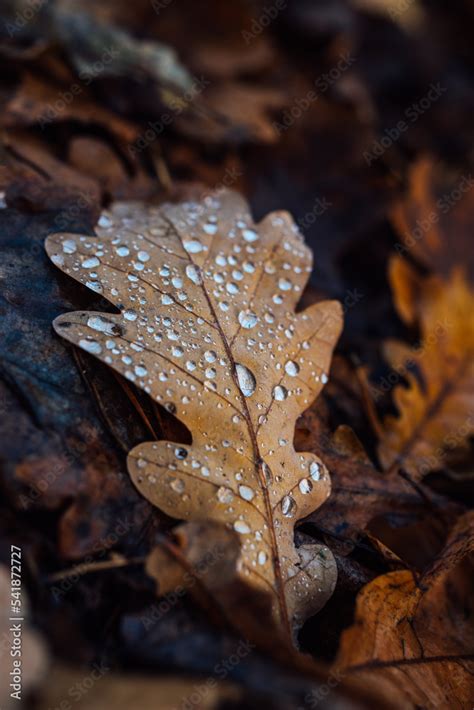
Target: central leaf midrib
[
  {"x": 257, "y": 460},
  {"x": 253, "y": 439}
]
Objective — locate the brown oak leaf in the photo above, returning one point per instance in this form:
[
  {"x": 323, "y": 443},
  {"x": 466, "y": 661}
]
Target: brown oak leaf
[
  {"x": 434, "y": 218},
  {"x": 207, "y": 326},
  {"x": 435, "y": 407},
  {"x": 417, "y": 638}
]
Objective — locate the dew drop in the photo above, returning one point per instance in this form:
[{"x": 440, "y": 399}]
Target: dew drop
[
  {"x": 194, "y": 274},
  {"x": 241, "y": 527},
  {"x": 130, "y": 314},
  {"x": 69, "y": 246},
  {"x": 104, "y": 221},
  {"x": 267, "y": 473},
  {"x": 315, "y": 471},
  {"x": 122, "y": 250},
  {"x": 250, "y": 235},
  {"x": 288, "y": 506},
  {"x": 246, "y": 380},
  {"x": 180, "y": 453},
  {"x": 224, "y": 495},
  {"x": 280, "y": 393},
  {"x": 262, "y": 557},
  {"x": 305, "y": 486},
  {"x": 210, "y": 356},
  {"x": 177, "y": 485},
  {"x": 102, "y": 325},
  {"x": 292, "y": 368},
  {"x": 247, "y": 319},
  {"x": 92, "y": 346},
  {"x": 210, "y": 228},
  {"x": 193, "y": 246},
  {"x": 166, "y": 300},
  {"x": 143, "y": 256},
  {"x": 90, "y": 263},
  {"x": 246, "y": 492},
  {"x": 284, "y": 284}
]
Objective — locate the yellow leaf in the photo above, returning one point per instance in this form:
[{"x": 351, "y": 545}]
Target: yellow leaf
[
  {"x": 207, "y": 327},
  {"x": 435, "y": 409}
]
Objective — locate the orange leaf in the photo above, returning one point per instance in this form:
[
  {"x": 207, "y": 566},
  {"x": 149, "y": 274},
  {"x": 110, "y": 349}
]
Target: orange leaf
[
  {"x": 417, "y": 640},
  {"x": 435, "y": 409}
]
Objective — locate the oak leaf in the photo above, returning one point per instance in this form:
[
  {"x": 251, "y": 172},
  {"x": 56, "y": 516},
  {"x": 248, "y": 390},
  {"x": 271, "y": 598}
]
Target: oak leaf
[
  {"x": 435, "y": 407},
  {"x": 207, "y": 327},
  {"x": 416, "y": 636},
  {"x": 434, "y": 217}
]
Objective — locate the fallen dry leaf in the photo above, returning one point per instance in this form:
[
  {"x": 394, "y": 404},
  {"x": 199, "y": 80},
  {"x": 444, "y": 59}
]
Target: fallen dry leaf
[
  {"x": 360, "y": 494},
  {"x": 434, "y": 218},
  {"x": 207, "y": 327},
  {"x": 435, "y": 409},
  {"x": 236, "y": 112},
  {"x": 417, "y": 639},
  {"x": 38, "y": 102}
]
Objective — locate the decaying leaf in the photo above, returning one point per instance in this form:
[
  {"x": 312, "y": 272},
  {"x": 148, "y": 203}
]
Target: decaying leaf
[
  {"x": 207, "y": 327},
  {"x": 434, "y": 218},
  {"x": 435, "y": 409},
  {"x": 417, "y": 638},
  {"x": 360, "y": 493}
]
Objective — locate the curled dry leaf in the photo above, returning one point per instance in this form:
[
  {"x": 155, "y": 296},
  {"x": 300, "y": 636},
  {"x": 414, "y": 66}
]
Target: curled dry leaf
[
  {"x": 418, "y": 638},
  {"x": 435, "y": 409},
  {"x": 207, "y": 327}
]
